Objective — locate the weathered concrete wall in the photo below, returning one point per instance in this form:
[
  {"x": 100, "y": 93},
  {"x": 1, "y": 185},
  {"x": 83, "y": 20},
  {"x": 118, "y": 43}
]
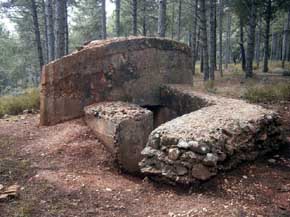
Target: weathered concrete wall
[
  {"x": 123, "y": 128},
  {"x": 128, "y": 69},
  {"x": 198, "y": 145}
]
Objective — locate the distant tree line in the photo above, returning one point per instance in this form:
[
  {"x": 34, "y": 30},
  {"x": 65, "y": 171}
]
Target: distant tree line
[{"x": 219, "y": 32}]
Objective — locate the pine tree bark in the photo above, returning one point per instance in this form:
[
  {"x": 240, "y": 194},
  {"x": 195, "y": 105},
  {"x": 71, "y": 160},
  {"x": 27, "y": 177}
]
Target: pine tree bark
[
  {"x": 242, "y": 48},
  {"x": 286, "y": 46},
  {"x": 194, "y": 33},
  {"x": 60, "y": 28},
  {"x": 45, "y": 32},
  {"x": 228, "y": 42},
  {"x": 204, "y": 40},
  {"x": 117, "y": 21},
  {"x": 66, "y": 29},
  {"x": 144, "y": 22},
  {"x": 173, "y": 20},
  {"x": 162, "y": 18},
  {"x": 258, "y": 46},
  {"x": 212, "y": 39},
  {"x": 179, "y": 20},
  {"x": 267, "y": 35},
  {"x": 251, "y": 39},
  {"x": 104, "y": 20},
  {"x": 50, "y": 29},
  {"x": 221, "y": 37},
  {"x": 134, "y": 17},
  {"x": 37, "y": 33}
]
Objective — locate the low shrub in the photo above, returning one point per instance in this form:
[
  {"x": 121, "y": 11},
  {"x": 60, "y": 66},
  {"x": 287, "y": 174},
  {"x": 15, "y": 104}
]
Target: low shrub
[
  {"x": 268, "y": 93},
  {"x": 13, "y": 105}
]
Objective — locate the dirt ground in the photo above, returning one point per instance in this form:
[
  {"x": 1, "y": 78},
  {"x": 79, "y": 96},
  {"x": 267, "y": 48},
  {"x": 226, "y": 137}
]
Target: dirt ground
[{"x": 64, "y": 171}]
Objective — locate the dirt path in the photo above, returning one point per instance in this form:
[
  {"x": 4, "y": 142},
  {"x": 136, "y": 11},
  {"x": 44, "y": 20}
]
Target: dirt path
[{"x": 64, "y": 171}]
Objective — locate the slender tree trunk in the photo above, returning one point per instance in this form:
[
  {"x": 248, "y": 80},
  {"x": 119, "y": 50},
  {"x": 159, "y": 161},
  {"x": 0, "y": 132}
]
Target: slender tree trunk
[
  {"x": 215, "y": 35},
  {"x": 286, "y": 46},
  {"x": 221, "y": 37},
  {"x": 179, "y": 20},
  {"x": 173, "y": 20},
  {"x": 162, "y": 18},
  {"x": 251, "y": 40},
  {"x": 50, "y": 29},
  {"x": 37, "y": 32},
  {"x": 60, "y": 28},
  {"x": 194, "y": 28},
  {"x": 104, "y": 20},
  {"x": 258, "y": 46},
  {"x": 228, "y": 42},
  {"x": 242, "y": 48},
  {"x": 204, "y": 39},
  {"x": 144, "y": 23},
  {"x": 117, "y": 21},
  {"x": 267, "y": 35},
  {"x": 66, "y": 29},
  {"x": 134, "y": 16},
  {"x": 212, "y": 39},
  {"x": 45, "y": 32}
]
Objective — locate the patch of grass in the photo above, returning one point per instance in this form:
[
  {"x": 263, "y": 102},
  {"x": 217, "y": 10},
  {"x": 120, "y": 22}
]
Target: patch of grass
[
  {"x": 268, "y": 93},
  {"x": 13, "y": 105}
]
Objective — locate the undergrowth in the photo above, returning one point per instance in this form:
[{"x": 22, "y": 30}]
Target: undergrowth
[
  {"x": 268, "y": 93},
  {"x": 13, "y": 105}
]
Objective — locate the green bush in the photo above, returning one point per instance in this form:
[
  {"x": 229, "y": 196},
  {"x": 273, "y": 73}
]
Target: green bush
[
  {"x": 268, "y": 93},
  {"x": 13, "y": 105}
]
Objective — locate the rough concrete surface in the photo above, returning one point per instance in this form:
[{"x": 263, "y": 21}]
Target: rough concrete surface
[
  {"x": 123, "y": 128},
  {"x": 125, "y": 69},
  {"x": 196, "y": 146}
]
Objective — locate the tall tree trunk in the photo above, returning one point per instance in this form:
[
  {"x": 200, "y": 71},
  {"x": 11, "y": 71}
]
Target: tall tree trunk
[
  {"x": 144, "y": 23},
  {"x": 117, "y": 21},
  {"x": 212, "y": 39},
  {"x": 179, "y": 20},
  {"x": 204, "y": 39},
  {"x": 45, "y": 32},
  {"x": 66, "y": 29},
  {"x": 251, "y": 40},
  {"x": 104, "y": 20},
  {"x": 221, "y": 37},
  {"x": 215, "y": 35},
  {"x": 286, "y": 46},
  {"x": 194, "y": 34},
  {"x": 267, "y": 35},
  {"x": 162, "y": 18},
  {"x": 258, "y": 46},
  {"x": 60, "y": 28},
  {"x": 37, "y": 32},
  {"x": 228, "y": 42},
  {"x": 173, "y": 20},
  {"x": 134, "y": 17},
  {"x": 242, "y": 48},
  {"x": 50, "y": 29}
]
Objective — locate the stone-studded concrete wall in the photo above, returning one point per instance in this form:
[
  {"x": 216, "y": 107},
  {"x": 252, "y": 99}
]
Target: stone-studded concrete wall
[{"x": 128, "y": 69}]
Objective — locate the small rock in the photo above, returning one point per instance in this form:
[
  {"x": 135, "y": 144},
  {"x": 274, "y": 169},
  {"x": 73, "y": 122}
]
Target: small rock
[
  {"x": 272, "y": 161},
  {"x": 201, "y": 172},
  {"x": 173, "y": 154},
  {"x": 210, "y": 160},
  {"x": 181, "y": 171},
  {"x": 1, "y": 187},
  {"x": 108, "y": 189},
  {"x": 245, "y": 177},
  {"x": 183, "y": 144},
  {"x": 198, "y": 148}
]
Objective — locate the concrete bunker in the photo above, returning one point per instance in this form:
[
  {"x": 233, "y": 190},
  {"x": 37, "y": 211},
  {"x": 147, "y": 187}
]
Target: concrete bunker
[{"x": 136, "y": 95}]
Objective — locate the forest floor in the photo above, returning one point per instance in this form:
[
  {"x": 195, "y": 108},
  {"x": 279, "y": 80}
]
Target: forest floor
[{"x": 63, "y": 171}]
